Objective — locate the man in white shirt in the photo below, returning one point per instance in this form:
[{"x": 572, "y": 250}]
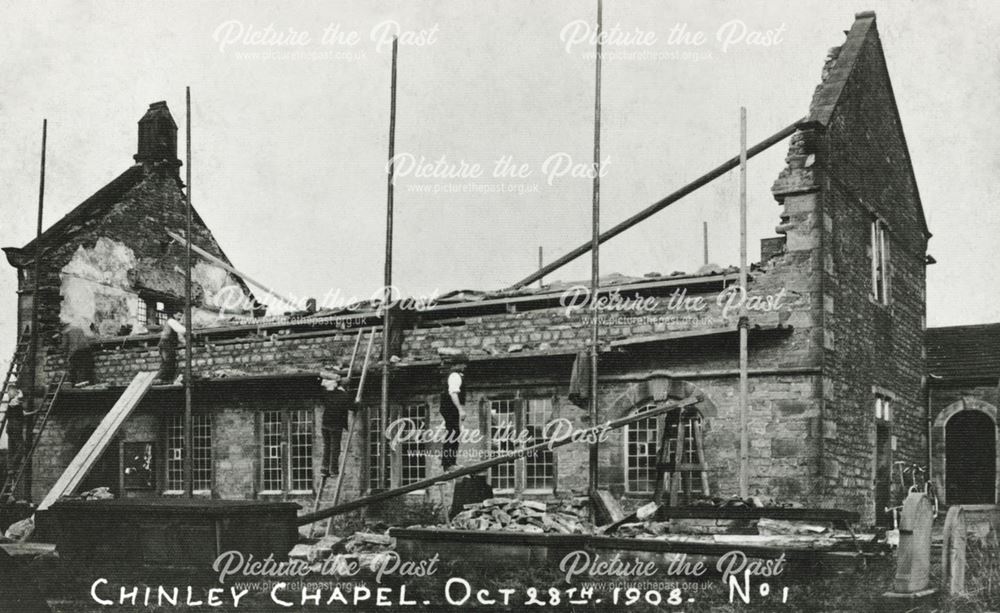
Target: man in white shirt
[
  {"x": 173, "y": 329},
  {"x": 453, "y": 411},
  {"x": 15, "y": 422}
]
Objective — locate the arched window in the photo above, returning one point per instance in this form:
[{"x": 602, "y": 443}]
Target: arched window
[
  {"x": 642, "y": 443},
  {"x": 641, "y": 440}
]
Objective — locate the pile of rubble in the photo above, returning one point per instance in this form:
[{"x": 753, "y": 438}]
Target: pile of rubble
[
  {"x": 98, "y": 493},
  {"x": 365, "y": 548},
  {"x": 568, "y": 516}
]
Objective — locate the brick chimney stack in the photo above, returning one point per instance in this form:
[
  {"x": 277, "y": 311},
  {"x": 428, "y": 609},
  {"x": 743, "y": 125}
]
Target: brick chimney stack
[{"x": 157, "y": 136}]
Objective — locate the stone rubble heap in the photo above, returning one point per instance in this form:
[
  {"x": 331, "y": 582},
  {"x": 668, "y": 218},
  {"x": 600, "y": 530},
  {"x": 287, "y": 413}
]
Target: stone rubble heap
[
  {"x": 98, "y": 493},
  {"x": 364, "y": 548},
  {"x": 567, "y": 516}
]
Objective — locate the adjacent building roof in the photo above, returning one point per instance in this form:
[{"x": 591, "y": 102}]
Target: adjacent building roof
[{"x": 964, "y": 352}]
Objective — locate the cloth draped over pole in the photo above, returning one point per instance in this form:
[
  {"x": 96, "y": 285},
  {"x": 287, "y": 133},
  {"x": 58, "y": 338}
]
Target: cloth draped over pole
[{"x": 579, "y": 380}]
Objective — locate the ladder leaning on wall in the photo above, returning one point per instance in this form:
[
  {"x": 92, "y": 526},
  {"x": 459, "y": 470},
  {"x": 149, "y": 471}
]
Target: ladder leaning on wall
[
  {"x": 13, "y": 371},
  {"x": 17, "y": 466},
  {"x": 346, "y": 450}
]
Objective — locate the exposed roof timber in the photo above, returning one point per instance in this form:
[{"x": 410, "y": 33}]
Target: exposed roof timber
[
  {"x": 330, "y": 321},
  {"x": 201, "y": 383},
  {"x": 658, "y": 206},
  {"x": 228, "y": 267},
  {"x": 547, "y": 295},
  {"x": 668, "y": 336}
]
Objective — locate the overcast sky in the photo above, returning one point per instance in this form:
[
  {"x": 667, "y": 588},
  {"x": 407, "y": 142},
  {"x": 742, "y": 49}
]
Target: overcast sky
[{"x": 290, "y": 148}]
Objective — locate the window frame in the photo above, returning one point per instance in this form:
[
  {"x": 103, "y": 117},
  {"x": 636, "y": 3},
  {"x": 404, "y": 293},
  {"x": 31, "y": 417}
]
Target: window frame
[
  {"x": 148, "y": 313},
  {"x": 405, "y": 447},
  {"x": 515, "y": 407},
  {"x": 690, "y": 485},
  {"x": 521, "y": 406},
  {"x": 374, "y": 440},
  {"x": 142, "y": 311},
  {"x": 880, "y": 277},
  {"x": 168, "y": 451},
  {"x": 286, "y": 455},
  {"x": 884, "y": 407},
  {"x": 658, "y": 424}
]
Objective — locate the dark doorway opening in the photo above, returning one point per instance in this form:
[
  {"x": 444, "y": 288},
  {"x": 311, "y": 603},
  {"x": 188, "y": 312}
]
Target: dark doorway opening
[
  {"x": 106, "y": 471},
  {"x": 883, "y": 473},
  {"x": 970, "y": 459}
]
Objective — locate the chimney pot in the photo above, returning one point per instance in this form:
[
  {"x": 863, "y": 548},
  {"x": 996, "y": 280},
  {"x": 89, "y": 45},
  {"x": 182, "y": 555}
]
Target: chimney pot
[{"x": 157, "y": 136}]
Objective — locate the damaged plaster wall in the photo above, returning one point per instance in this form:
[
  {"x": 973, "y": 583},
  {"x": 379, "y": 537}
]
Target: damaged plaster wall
[
  {"x": 100, "y": 285},
  {"x": 95, "y": 287},
  {"x": 218, "y": 289}
]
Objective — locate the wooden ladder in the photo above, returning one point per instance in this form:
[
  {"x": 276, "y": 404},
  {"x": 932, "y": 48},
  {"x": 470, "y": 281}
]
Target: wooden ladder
[
  {"x": 13, "y": 370},
  {"x": 346, "y": 446},
  {"x": 20, "y": 464},
  {"x": 676, "y": 465}
]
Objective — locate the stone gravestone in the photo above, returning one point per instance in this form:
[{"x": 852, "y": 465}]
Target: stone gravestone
[
  {"x": 913, "y": 560},
  {"x": 953, "y": 551}
]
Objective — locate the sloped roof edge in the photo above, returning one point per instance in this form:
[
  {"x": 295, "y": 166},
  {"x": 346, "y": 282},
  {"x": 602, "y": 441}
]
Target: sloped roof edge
[
  {"x": 825, "y": 100},
  {"x": 827, "y": 97},
  {"x": 107, "y": 195}
]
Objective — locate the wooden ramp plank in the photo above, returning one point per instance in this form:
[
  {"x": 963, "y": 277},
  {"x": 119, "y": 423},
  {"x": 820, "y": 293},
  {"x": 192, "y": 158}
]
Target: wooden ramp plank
[{"x": 100, "y": 439}]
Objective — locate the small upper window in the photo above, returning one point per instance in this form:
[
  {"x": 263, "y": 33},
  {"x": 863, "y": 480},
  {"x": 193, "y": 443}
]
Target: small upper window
[
  {"x": 880, "y": 262},
  {"x": 883, "y": 408},
  {"x": 153, "y": 312}
]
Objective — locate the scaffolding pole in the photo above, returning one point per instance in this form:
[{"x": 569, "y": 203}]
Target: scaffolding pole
[
  {"x": 386, "y": 310},
  {"x": 744, "y": 362},
  {"x": 188, "y": 431},
  {"x": 595, "y": 266},
  {"x": 36, "y": 284}
]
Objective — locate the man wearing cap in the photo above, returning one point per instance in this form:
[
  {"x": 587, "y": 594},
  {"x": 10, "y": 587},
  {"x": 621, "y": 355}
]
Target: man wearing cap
[
  {"x": 453, "y": 412},
  {"x": 336, "y": 403}
]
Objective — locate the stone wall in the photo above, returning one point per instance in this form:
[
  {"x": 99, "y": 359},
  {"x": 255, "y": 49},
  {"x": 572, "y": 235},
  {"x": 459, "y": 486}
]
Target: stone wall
[
  {"x": 94, "y": 272},
  {"x": 848, "y": 166}
]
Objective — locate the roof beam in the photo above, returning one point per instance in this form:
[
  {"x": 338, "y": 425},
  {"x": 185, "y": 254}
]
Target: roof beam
[{"x": 658, "y": 206}]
